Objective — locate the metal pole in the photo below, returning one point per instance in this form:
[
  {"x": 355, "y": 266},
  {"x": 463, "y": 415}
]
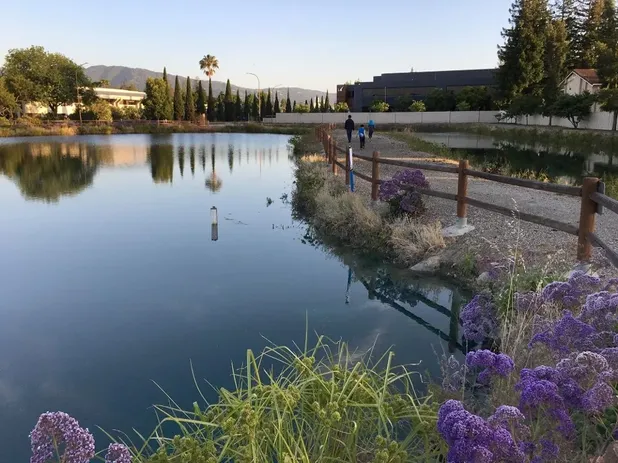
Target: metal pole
[{"x": 79, "y": 105}]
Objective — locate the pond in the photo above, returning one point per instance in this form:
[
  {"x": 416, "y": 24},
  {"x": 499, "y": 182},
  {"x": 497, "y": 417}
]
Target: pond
[
  {"x": 558, "y": 165},
  {"x": 113, "y": 277}
]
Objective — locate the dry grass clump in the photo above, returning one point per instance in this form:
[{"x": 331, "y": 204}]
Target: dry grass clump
[{"x": 411, "y": 239}]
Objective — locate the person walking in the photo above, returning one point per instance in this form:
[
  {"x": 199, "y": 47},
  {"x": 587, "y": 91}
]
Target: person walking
[
  {"x": 371, "y": 125},
  {"x": 349, "y": 128},
  {"x": 361, "y": 136}
]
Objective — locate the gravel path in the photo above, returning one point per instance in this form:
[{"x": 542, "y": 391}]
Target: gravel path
[{"x": 494, "y": 233}]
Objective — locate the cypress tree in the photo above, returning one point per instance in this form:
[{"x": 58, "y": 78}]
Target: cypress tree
[
  {"x": 179, "y": 109},
  {"x": 277, "y": 108},
  {"x": 318, "y": 105},
  {"x": 311, "y": 107},
  {"x": 262, "y": 105},
  {"x": 246, "y": 107},
  {"x": 169, "y": 105},
  {"x": 591, "y": 12},
  {"x": 306, "y": 103},
  {"x": 229, "y": 102},
  {"x": 556, "y": 52},
  {"x": 165, "y": 76},
  {"x": 521, "y": 57},
  {"x": 189, "y": 102},
  {"x": 221, "y": 107},
  {"x": 238, "y": 107},
  {"x": 288, "y": 103},
  {"x": 326, "y": 103},
  {"x": 294, "y": 106},
  {"x": 269, "y": 105},
  {"x": 255, "y": 107},
  {"x": 210, "y": 109},
  {"x": 567, "y": 11},
  {"x": 201, "y": 99},
  {"x": 607, "y": 62}
]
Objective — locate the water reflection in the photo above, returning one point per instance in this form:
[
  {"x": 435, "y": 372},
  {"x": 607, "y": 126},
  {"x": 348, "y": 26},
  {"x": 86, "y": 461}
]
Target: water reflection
[
  {"x": 161, "y": 158},
  {"x": 214, "y": 183},
  {"x": 538, "y": 162},
  {"x": 46, "y": 171}
]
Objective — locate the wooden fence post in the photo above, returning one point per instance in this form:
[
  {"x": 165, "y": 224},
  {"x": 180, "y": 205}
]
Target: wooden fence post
[
  {"x": 347, "y": 167},
  {"x": 327, "y": 147},
  {"x": 586, "y": 219},
  {"x": 334, "y": 158},
  {"x": 462, "y": 192},
  {"x": 375, "y": 175},
  {"x": 331, "y": 150}
]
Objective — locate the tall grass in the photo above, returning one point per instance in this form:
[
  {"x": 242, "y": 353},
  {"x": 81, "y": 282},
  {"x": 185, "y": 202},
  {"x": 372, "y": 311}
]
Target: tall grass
[{"x": 321, "y": 403}]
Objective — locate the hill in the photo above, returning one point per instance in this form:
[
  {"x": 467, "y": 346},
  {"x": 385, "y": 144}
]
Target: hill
[{"x": 119, "y": 75}]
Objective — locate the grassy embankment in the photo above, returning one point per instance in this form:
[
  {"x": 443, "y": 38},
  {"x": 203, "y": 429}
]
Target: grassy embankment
[{"x": 35, "y": 128}]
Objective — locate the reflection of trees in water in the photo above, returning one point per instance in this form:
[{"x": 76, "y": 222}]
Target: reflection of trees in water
[
  {"x": 47, "y": 171},
  {"x": 161, "y": 158},
  {"x": 400, "y": 289},
  {"x": 213, "y": 183},
  {"x": 192, "y": 160},
  {"x": 181, "y": 160},
  {"x": 230, "y": 157}
]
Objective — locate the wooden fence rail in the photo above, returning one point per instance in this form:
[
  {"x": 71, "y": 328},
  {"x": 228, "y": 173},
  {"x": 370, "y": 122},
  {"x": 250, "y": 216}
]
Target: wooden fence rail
[{"x": 591, "y": 193}]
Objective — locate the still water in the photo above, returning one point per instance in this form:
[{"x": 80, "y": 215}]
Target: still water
[
  {"x": 112, "y": 277},
  {"x": 558, "y": 165}
]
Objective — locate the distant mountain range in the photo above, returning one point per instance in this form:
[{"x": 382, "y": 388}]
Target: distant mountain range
[{"x": 119, "y": 75}]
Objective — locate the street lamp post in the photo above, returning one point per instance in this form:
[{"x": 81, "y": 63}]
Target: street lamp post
[
  {"x": 79, "y": 103},
  {"x": 258, "y": 94}
]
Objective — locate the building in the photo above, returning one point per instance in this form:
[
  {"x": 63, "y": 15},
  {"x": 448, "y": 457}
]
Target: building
[
  {"x": 114, "y": 96},
  {"x": 416, "y": 85},
  {"x": 580, "y": 81}
]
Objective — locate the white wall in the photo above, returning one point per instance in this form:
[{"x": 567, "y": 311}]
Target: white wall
[{"x": 596, "y": 121}]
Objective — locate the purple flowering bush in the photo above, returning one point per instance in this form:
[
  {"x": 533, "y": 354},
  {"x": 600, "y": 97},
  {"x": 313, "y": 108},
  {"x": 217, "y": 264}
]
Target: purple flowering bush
[
  {"x": 58, "y": 438},
  {"x": 400, "y": 192},
  {"x": 564, "y": 394}
]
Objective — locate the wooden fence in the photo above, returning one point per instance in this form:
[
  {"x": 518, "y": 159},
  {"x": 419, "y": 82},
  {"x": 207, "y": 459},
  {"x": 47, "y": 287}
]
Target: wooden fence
[{"x": 593, "y": 199}]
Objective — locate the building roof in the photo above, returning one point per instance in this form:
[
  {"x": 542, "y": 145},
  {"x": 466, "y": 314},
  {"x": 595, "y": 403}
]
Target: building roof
[
  {"x": 589, "y": 75},
  {"x": 117, "y": 92}
]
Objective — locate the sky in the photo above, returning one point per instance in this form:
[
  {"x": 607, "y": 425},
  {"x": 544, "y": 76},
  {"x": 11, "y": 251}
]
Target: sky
[{"x": 313, "y": 44}]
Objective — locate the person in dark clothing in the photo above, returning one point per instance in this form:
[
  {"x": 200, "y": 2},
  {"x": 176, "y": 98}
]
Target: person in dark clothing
[{"x": 349, "y": 128}]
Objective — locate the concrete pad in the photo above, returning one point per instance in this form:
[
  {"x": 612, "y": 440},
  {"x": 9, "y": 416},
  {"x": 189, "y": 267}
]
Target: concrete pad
[{"x": 456, "y": 230}]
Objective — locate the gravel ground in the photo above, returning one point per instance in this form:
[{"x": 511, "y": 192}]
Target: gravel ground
[{"x": 494, "y": 233}]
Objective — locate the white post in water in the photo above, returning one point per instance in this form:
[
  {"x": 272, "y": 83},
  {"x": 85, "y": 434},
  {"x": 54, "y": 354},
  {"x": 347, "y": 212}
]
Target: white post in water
[{"x": 214, "y": 228}]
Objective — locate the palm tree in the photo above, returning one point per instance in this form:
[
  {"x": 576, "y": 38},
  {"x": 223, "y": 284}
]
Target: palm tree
[{"x": 209, "y": 64}]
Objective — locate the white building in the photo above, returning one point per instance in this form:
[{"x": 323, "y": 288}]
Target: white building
[
  {"x": 114, "y": 96},
  {"x": 580, "y": 81}
]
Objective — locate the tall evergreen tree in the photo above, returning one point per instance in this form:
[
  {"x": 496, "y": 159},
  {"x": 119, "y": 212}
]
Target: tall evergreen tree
[
  {"x": 567, "y": 11},
  {"x": 169, "y": 104},
  {"x": 262, "y": 105},
  {"x": 237, "y": 107},
  {"x": 521, "y": 69},
  {"x": 255, "y": 107},
  {"x": 276, "y": 108},
  {"x": 246, "y": 108},
  {"x": 189, "y": 102},
  {"x": 210, "y": 109},
  {"x": 326, "y": 103},
  {"x": 294, "y": 106},
  {"x": 221, "y": 107},
  {"x": 165, "y": 75},
  {"x": 201, "y": 99},
  {"x": 556, "y": 52},
  {"x": 179, "y": 107},
  {"x": 288, "y": 103},
  {"x": 228, "y": 100},
  {"x": 269, "y": 105},
  {"x": 607, "y": 47},
  {"x": 590, "y": 33},
  {"x": 311, "y": 107},
  {"x": 307, "y": 103}
]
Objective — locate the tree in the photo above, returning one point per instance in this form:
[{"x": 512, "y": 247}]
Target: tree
[
  {"x": 276, "y": 107},
  {"x": 607, "y": 46},
  {"x": 556, "y": 51},
  {"x": 247, "y": 107},
  {"x": 379, "y": 107},
  {"x": 101, "y": 111},
  {"x": 189, "y": 102},
  {"x": 417, "y": 107},
  {"x": 341, "y": 108},
  {"x": 165, "y": 75},
  {"x": 8, "y": 102},
  {"x": 228, "y": 100},
  {"x": 592, "y": 12},
  {"x": 474, "y": 99},
  {"x": 262, "y": 105},
  {"x": 567, "y": 11},
  {"x": 575, "y": 108},
  {"x": 521, "y": 69},
  {"x": 170, "y": 102},
  {"x": 525, "y": 105},
  {"x": 221, "y": 109},
  {"x": 318, "y": 104},
  {"x": 439, "y": 99},
  {"x": 288, "y": 103},
  {"x": 237, "y": 107},
  {"x": 255, "y": 107},
  {"x": 209, "y": 65},
  {"x": 311, "y": 107},
  {"x": 302, "y": 108},
  {"x": 103, "y": 83},
  {"x": 201, "y": 99},
  {"x": 294, "y": 106},
  {"x": 179, "y": 105},
  {"x": 128, "y": 86},
  {"x": 156, "y": 104},
  {"x": 32, "y": 74},
  {"x": 608, "y": 97},
  {"x": 269, "y": 105},
  {"x": 326, "y": 103}
]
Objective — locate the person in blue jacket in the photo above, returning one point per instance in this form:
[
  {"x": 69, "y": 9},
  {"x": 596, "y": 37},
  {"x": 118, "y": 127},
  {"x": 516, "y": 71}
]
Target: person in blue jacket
[
  {"x": 361, "y": 135},
  {"x": 371, "y": 126}
]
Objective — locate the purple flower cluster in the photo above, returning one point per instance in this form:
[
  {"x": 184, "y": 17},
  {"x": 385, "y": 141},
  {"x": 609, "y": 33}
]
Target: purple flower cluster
[
  {"x": 399, "y": 191},
  {"x": 388, "y": 190},
  {"x": 471, "y": 438},
  {"x": 410, "y": 179},
  {"x": 479, "y": 319},
  {"x": 57, "y": 432},
  {"x": 492, "y": 364},
  {"x": 117, "y": 453}
]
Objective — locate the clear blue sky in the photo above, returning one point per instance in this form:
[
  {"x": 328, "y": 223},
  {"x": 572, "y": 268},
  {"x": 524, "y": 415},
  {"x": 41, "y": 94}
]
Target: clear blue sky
[{"x": 312, "y": 44}]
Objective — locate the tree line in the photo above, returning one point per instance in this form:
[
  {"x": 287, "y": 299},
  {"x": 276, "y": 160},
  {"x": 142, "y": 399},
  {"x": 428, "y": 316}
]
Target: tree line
[{"x": 543, "y": 43}]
